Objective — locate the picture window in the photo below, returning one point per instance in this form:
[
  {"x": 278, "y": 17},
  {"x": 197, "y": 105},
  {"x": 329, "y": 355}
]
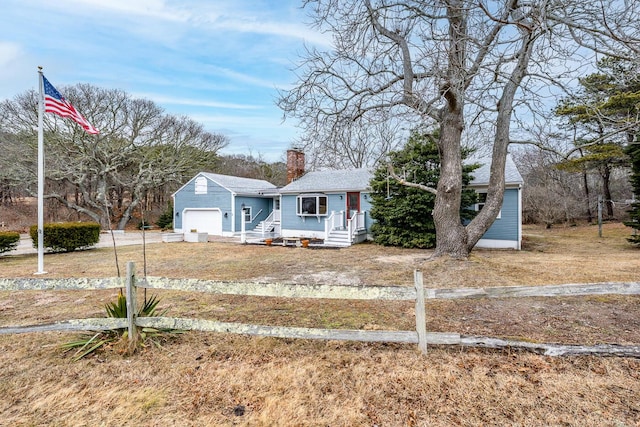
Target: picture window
[{"x": 312, "y": 205}]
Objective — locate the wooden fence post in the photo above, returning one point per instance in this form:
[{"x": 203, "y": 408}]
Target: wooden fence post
[
  {"x": 131, "y": 302},
  {"x": 600, "y": 216},
  {"x": 421, "y": 322}
]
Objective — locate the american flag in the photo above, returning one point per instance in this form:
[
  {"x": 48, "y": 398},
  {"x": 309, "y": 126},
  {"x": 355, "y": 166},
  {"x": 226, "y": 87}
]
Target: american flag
[{"x": 55, "y": 103}]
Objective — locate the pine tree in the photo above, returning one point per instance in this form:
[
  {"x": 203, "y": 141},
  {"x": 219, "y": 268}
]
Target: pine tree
[
  {"x": 404, "y": 214},
  {"x": 600, "y": 114},
  {"x": 165, "y": 221},
  {"x": 633, "y": 150}
]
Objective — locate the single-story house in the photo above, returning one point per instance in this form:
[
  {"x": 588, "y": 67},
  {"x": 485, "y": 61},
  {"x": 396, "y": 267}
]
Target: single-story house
[{"x": 331, "y": 205}]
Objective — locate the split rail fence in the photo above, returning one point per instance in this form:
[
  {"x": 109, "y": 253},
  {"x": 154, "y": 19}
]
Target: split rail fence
[{"x": 418, "y": 294}]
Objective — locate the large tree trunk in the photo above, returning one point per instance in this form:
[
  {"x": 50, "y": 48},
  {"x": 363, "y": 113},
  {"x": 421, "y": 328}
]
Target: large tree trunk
[
  {"x": 495, "y": 192},
  {"x": 451, "y": 235}
]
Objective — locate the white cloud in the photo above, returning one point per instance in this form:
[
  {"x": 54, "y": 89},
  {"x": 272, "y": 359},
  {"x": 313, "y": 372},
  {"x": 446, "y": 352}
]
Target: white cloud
[
  {"x": 146, "y": 8},
  {"x": 216, "y": 16},
  {"x": 243, "y": 77},
  {"x": 283, "y": 29},
  {"x": 244, "y": 122},
  {"x": 17, "y": 73},
  {"x": 163, "y": 99},
  {"x": 9, "y": 53}
]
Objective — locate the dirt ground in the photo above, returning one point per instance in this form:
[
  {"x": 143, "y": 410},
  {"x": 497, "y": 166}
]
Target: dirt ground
[{"x": 213, "y": 379}]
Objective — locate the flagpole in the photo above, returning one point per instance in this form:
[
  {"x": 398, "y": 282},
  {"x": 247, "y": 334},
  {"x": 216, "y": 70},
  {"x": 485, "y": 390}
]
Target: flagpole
[{"x": 40, "y": 174}]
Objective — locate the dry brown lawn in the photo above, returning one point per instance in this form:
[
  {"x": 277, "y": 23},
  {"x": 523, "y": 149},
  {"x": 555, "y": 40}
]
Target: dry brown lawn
[{"x": 200, "y": 379}]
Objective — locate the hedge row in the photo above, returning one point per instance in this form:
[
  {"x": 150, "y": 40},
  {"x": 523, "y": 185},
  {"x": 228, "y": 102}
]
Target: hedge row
[
  {"x": 67, "y": 236},
  {"x": 8, "y": 241}
]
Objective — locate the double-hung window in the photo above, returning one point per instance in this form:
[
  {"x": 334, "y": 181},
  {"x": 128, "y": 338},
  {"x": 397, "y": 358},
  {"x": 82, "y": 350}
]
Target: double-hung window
[
  {"x": 247, "y": 214},
  {"x": 201, "y": 185}
]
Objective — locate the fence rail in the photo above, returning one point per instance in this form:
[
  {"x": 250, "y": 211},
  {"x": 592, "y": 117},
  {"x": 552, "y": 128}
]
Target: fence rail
[
  {"x": 384, "y": 293},
  {"x": 43, "y": 284},
  {"x": 570, "y": 289},
  {"x": 361, "y": 292},
  {"x": 284, "y": 290}
]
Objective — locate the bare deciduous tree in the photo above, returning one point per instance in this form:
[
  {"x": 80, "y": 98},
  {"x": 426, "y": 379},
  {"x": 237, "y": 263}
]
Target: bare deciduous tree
[
  {"x": 140, "y": 148},
  {"x": 457, "y": 63},
  {"x": 550, "y": 195},
  {"x": 250, "y": 166},
  {"x": 14, "y": 171},
  {"x": 351, "y": 144}
]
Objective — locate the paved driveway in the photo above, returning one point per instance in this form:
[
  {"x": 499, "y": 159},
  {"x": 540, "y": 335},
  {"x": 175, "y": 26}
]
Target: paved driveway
[{"x": 25, "y": 246}]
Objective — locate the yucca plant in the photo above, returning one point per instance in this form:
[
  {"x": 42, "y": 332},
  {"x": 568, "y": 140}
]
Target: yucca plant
[
  {"x": 118, "y": 309},
  {"x": 89, "y": 343}
]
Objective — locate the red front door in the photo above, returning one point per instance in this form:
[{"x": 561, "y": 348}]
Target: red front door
[{"x": 353, "y": 203}]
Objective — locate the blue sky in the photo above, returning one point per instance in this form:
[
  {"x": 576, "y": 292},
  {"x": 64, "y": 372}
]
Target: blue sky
[{"x": 219, "y": 62}]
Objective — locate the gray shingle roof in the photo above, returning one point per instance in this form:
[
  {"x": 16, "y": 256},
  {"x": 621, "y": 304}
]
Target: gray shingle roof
[
  {"x": 481, "y": 175},
  {"x": 346, "y": 179},
  {"x": 358, "y": 179},
  {"x": 240, "y": 185},
  {"x": 331, "y": 180}
]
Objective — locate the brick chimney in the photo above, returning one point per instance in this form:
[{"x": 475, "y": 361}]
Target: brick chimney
[{"x": 295, "y": 164}]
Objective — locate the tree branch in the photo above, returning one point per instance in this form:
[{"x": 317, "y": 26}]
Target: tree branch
[{"x": 402, "y": 181}]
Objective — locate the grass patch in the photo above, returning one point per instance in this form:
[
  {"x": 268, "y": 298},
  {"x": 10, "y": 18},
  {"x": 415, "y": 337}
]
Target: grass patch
[{"x": 205, "y": 378}]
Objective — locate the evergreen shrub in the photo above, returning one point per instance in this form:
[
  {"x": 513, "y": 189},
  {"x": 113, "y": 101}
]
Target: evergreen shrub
[
  {"x": 8, "y": 241},
  {"x": 67, "y": 236},
  {"x": 633, "y": 151},
  {"x": 165, "y": 221},
  {"x": 404, "y": 215}
]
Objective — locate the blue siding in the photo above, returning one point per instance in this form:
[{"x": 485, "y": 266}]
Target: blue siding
[
  {"x": 336, "y": 202},
  {"x": 365, "y": 206},
  {"x": 220, "y": 198},
  {"x": 290, "y": 220},
  {"x": 216, "y": 197},
  {"x": 256, "y": 204},
  {"x": 506, "y": 228}
]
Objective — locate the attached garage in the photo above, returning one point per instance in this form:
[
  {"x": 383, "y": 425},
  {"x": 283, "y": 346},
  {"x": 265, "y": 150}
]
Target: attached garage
[
  {"x": 203, "y": 220},
  {"x": 217, "y": 204}
]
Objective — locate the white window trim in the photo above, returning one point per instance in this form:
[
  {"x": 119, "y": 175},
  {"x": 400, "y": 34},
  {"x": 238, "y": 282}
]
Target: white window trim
[
  {"x": 317, "y": 197},
  {"x": 201, "y": 185},
  {"x": 479, "y": 206},
  {"x": 247, "y": 213}
]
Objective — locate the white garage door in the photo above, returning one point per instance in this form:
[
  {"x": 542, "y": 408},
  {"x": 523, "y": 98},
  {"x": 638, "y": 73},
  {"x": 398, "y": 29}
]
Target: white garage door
[{"x": 203, "y": 220}]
